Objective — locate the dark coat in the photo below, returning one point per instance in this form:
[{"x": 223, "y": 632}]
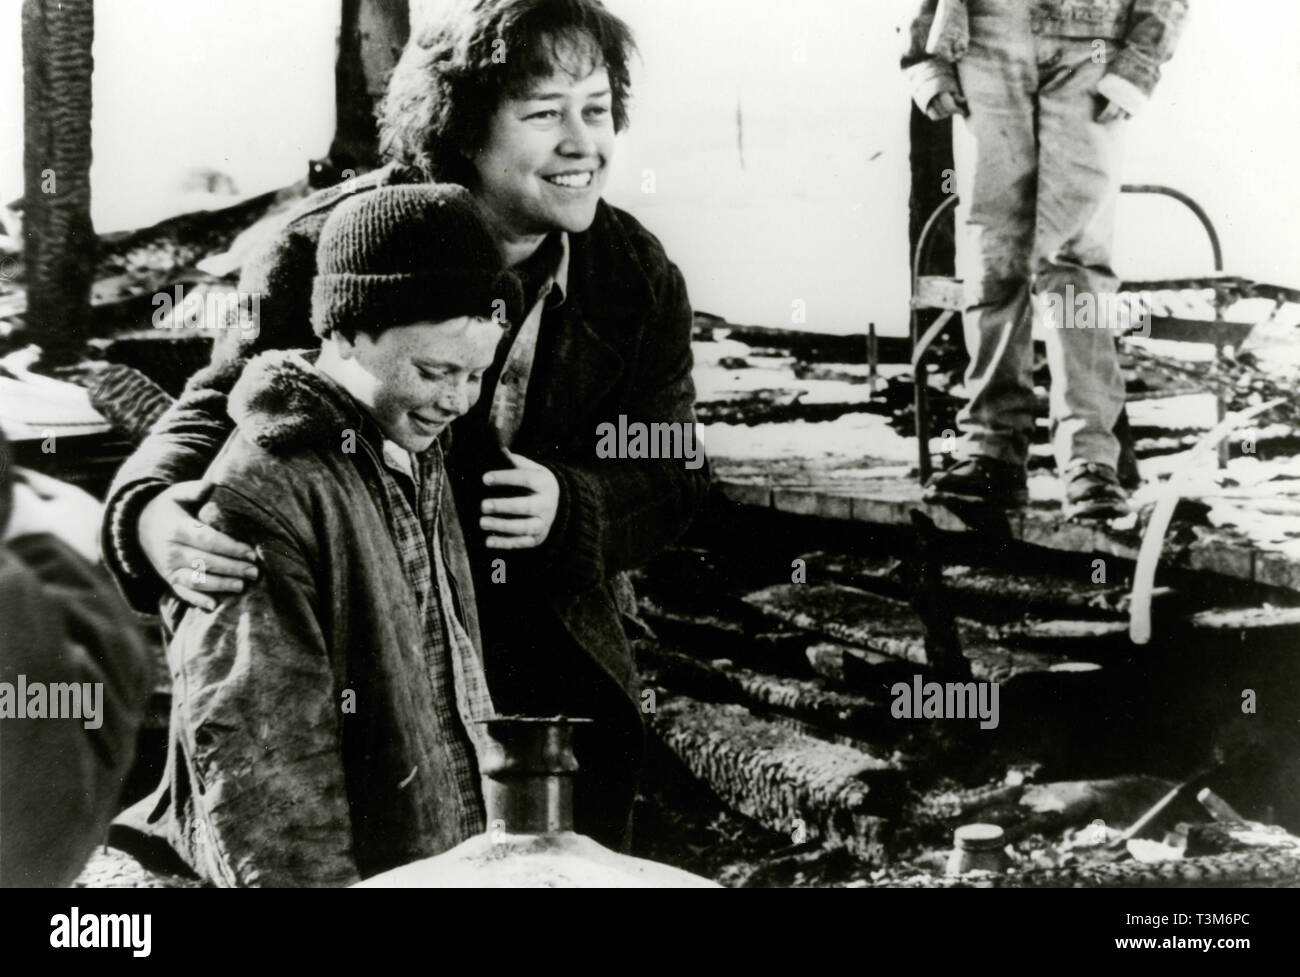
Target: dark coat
[
  {"x": 554, "y": 640},
  {"x": 60, "y": 782},
  {"x": 271, "y": 778}
]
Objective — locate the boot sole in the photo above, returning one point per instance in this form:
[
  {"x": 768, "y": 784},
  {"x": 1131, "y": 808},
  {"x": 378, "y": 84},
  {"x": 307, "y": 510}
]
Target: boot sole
[
  {"x": 1015, "y": 500},
  {"x": 1099, "y": 513}
]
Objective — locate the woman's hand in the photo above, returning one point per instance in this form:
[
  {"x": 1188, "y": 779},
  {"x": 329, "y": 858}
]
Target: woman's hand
[
  {"x": 191, "y": 557},
  {"x": 524, "y": 520}
]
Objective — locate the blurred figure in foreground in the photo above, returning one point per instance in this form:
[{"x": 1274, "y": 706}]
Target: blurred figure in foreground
[{"x": 74, "y": 680}]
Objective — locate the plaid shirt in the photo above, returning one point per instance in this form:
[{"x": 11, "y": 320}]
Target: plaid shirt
[
  {"x": 546, "y": 277},
  {"x": 412, "y": 498}
]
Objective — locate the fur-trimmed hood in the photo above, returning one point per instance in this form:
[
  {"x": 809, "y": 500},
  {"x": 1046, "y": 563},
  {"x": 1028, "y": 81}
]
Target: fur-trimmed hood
[{"x": 282, "y": 402}]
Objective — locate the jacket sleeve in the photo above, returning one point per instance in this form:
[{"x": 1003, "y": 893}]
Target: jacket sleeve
[
  {"x": 260, "y": 721},
  {"x": 60, "y": 781},
  {"x": 187, "y": 437},
  {"x": 1154, "y": 29},
  {"x": 616, "y": 514},
  {"x": 929, "y": 74}
]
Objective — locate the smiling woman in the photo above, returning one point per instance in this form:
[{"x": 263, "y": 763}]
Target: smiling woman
[
  {"x": 447, "y": 88},
  {"x": 546, "y": 155},
  {"x": 528, "y": 126}
]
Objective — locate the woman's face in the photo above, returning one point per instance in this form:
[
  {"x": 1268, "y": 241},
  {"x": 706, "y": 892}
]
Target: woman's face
[{"x": 545, "y": 161}]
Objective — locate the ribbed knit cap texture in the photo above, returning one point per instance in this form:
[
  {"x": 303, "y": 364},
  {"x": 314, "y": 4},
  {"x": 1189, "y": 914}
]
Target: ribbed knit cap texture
[{"x": 402, "y": 254}]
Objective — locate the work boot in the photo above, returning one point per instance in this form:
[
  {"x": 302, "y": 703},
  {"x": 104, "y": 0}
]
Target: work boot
[
  {"x": 1093, "y": 493},
  {"x": 980, "y": 480}
]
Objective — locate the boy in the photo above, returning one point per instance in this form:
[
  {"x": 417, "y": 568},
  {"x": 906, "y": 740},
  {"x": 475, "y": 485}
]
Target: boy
[
  {"x": 551, "y": 528},
  {"x": 324, "y": 719}
]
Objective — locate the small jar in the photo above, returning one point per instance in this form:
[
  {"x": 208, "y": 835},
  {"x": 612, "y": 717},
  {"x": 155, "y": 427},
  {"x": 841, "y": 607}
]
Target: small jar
[{"x": 977, "y": 847}]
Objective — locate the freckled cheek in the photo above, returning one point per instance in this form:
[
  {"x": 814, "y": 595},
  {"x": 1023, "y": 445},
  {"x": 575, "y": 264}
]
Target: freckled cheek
[{"x": 401, "y": 394}]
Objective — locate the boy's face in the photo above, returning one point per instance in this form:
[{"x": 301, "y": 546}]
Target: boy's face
[
  {"x": 417, "y": 379},
  {"x": 545, "y": 160}
]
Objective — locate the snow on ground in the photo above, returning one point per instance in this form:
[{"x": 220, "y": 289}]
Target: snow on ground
[
  {"x": 715, "y": 382},
  {"x": 853, "y": 437},
  {"x": 1176, "y": 413}
]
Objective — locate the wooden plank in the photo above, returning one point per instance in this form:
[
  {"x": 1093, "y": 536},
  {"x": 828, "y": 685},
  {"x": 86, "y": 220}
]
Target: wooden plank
[
  {"x": 810, "y": 502},
  {"x": 1249, "y": 619},
  {"x": 803, "y": 699},
  {"x": 858, "y": 669},
  {"x": 890, "y": 627},
  {"x": 749, "y": 493},
  {"x": 939, "y": 292},
  {"x": 893, "y": 503}
]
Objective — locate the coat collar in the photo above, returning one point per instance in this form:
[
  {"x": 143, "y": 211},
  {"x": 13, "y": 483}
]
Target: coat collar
[
  {"x": 605, "y": 271},
  {"x": 282, "y": 402}
]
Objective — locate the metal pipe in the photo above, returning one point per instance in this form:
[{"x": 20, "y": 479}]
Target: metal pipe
[{"x": 528, "y": 775}]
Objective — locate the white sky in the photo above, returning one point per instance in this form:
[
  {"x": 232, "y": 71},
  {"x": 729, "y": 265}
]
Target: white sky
[{"x": 818, "y": 214}]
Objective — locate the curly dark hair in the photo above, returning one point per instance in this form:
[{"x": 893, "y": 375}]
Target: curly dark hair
[{"x": 455, "y": 72}]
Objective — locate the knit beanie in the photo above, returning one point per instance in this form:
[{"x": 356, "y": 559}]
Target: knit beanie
[{"x": 402, "y": 254}]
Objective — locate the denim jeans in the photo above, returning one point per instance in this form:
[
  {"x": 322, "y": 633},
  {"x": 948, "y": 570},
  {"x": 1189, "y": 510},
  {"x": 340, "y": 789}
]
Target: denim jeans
[{"x": 1038, "y": 178}]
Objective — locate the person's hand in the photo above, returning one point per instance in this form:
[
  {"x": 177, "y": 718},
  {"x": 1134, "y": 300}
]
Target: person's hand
[
  {"x": 521, "y": 521},
  {"x": 945, "y": 105},
  {"x": 191, "y": 557},
  {"x": 46, "y": 505},
  {"x": 1110, "y": 112}
]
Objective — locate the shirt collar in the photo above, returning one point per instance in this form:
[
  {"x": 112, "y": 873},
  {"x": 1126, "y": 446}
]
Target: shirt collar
[
  {"x": 561, "y": 278},
  {"x": 545, "y": 272},
  {"x": 398, "y": 458}
]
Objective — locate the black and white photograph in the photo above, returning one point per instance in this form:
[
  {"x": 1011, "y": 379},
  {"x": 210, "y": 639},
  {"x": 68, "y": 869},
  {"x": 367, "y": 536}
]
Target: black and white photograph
[{"x": 766, "y": 444}]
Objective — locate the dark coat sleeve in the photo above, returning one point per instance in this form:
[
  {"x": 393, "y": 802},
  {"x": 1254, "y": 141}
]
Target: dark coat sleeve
[
  {"x": 187, "y": 437},
  {"x": 59, "y": 780},
  {"x": 259, "y": 717},
  {"x": 616, "y": 514}
]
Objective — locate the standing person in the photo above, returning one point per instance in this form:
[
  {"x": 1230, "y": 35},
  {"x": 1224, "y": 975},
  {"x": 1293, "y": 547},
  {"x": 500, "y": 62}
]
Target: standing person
[
  {"x": 1044, "y": 89},
  {"x": 519, "y": 101}
]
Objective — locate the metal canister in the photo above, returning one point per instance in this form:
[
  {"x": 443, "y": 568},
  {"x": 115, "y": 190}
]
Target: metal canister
[
  {"x": 977, "y": 847},
  {"x": 528, "y": 775}
]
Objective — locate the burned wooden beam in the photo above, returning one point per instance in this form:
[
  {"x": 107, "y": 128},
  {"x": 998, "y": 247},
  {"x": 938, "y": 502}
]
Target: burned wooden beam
[
  {"x": 803, "y": 699},
  {"x": 371, "y": 38},
  {"x": 60, "y": 246},
  {"x": 802, "y": 787},
  {"x": 889, "y": 627}
]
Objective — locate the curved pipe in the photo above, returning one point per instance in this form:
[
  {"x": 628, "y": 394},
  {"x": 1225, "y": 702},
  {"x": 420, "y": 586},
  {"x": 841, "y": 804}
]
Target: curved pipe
[{"x": 920, "y": 348}]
